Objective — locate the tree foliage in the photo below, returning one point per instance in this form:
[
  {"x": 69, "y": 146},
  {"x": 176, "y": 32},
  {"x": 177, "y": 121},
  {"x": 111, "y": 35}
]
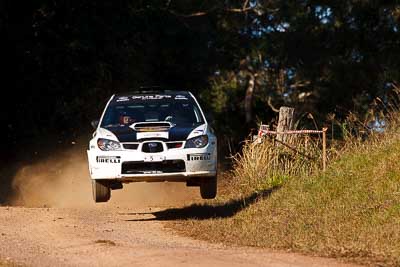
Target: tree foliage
[{"x": 64, "y": 58}]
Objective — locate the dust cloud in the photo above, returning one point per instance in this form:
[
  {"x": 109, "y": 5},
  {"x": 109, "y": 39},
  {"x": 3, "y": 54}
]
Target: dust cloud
[{"x": 63, "y": 180}]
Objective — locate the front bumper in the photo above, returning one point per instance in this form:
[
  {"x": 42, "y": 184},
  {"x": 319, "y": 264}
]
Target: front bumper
[{"x": 110, "y": 164}]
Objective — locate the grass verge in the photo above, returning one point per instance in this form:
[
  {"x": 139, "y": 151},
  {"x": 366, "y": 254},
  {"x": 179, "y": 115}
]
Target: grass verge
[{"x": 351, "y": 211}]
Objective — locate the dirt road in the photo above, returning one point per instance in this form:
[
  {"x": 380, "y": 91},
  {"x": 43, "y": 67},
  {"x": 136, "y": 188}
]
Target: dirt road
[
  {"x": 52, "y": 221},
  {"x": 112, "y": 236}
]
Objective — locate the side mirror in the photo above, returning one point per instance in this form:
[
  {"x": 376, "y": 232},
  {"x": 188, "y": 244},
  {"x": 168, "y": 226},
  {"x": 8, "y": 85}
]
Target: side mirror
[{"x": 95, "y": 123}]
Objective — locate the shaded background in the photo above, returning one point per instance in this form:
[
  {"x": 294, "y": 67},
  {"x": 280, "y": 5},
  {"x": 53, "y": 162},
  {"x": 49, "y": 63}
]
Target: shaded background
[{"x": 62, "y": 60}]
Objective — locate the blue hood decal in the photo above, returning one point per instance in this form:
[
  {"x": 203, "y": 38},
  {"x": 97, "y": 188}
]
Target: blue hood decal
[{"x": 177, "y": 133}]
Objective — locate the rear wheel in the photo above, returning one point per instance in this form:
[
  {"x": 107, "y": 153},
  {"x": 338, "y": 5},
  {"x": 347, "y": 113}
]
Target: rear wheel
[
  {"x": 101, "y": 191},
  {"x": 208, "y": 188}
]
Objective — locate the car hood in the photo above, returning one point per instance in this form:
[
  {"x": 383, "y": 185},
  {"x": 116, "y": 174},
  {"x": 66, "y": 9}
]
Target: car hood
[{"x": 125, "y": 134}]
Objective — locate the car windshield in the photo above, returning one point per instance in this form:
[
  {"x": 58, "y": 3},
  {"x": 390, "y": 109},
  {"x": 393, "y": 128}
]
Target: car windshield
[{"x": 178, "y": 112}]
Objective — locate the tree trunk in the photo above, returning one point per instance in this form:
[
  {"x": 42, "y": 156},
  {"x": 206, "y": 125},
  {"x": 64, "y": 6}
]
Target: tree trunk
[
  {"x": 285, "y": 123},
  {"x": 249, "y": 99}
]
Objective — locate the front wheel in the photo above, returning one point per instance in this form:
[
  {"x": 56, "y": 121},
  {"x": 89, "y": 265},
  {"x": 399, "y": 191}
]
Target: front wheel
[
  {"x": 101, "y": 191},
  {"x": 208, "y": 188}
]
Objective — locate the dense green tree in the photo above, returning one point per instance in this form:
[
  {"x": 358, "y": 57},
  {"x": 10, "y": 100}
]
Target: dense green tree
[{"x": 243, "y": 57}]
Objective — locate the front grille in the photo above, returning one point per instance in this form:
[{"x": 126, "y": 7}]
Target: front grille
[
  {"x": 130, "y": 146},
  {"x": 172, "y": 145},
  {"x": 152, "y": 147},
  {"x": 140, "y": 167}
]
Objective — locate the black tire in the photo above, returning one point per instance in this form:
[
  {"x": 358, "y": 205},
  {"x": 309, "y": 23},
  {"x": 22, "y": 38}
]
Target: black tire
[
  {"x": 101, "y": 191},
  {"x": 208, "y": 188}
]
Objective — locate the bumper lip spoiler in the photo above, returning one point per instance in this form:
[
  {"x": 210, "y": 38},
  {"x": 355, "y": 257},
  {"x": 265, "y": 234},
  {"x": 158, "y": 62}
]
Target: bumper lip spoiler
[{"x": 168, "y": 177}]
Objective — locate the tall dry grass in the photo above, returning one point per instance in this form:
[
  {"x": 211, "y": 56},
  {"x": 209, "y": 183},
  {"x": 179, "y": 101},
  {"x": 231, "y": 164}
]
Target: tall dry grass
[
  {"x": 269, "y": 163},
  {"x": 351, "y": 211}
]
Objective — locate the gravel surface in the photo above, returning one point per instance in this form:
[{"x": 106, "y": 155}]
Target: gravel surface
[
  {"x": 54, "y": 222},
  {"x": 114, "y": 236}
]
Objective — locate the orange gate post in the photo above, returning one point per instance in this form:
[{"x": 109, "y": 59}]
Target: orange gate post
[{"x": 324, "y": 148}]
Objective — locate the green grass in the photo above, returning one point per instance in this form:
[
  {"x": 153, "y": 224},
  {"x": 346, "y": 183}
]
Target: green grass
[{"x": 351, "y": 211}]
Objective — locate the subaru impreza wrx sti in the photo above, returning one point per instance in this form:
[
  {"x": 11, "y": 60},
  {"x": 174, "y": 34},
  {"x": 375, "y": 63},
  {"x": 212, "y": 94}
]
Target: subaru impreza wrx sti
[{"x": 152, "y": 137}]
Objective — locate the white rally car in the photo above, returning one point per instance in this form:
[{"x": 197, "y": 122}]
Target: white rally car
[{"x": 152, "y": 137}]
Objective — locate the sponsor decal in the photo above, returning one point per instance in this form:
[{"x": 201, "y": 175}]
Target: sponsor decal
[
  {"x": 202, "y": 156},
  {"x": 144, "y": 97},
  {"x": 108, "y": 159},
  {"x": 181, "y": 97},
  {"x": 142, "y": 135},
  {"x": 123, "y": 99},
  {"x": 150, "y": 97}
]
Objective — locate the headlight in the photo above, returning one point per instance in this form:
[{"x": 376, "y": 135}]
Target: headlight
[
  {"x": 197, "y": 142},
  {"x": 108, "y": 145}
]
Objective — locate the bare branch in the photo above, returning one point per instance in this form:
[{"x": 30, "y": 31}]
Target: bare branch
[
  {"x": 245, "y": 4},
  {"x": 300, "y": 84},
  {"x": 244, "y": 9},
  {"x": 196, "y": 14},
  {"x": 239, "y": 10},
  {"x": 269, "y": 102}
]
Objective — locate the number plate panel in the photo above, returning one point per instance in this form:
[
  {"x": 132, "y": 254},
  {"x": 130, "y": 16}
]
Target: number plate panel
[{"x": 154, "y": 158}]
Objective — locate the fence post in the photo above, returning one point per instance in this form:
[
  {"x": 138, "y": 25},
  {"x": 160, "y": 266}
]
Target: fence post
[
  {"x": 324, "y": 148},
  {"x": 285, "y": 123}
]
